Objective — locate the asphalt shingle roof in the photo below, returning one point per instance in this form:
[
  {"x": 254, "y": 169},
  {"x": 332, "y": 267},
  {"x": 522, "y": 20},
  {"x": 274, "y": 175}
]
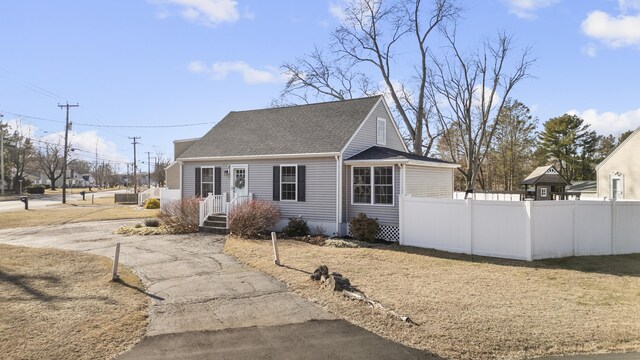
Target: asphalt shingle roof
[
  {"x": 383, "y": 153},
  {"x": 539, "y": 175},
  {"x": 314, "y": 128}
]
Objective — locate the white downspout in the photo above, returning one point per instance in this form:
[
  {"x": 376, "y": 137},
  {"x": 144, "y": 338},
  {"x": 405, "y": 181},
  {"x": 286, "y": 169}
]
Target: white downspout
[
  {"x": 338, "y": 194},
  {"x": 181, "y": 194}
]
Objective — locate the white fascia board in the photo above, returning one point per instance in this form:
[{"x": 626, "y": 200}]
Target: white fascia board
[
  {"x": 266, "y": 156},
  {"x": 186, "y": 140},
  {"x": 402, "y": 161},
  {"x": 617, "y": 148},
  {"x": 376, "y": 162},
  {"x": 395, "y": 126},
  {"x": 433, "y": 164}
]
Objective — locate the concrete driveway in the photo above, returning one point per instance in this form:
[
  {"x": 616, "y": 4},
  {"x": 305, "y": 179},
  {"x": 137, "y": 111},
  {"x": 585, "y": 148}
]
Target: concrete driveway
[{"x": 206, "y": 305}]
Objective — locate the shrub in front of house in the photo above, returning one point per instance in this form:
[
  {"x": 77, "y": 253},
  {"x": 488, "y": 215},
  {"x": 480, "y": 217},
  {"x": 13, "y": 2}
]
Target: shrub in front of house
[
  {"x": 181, "y": 216},
  {"x": 296, "y": 227},
  {"x": 152, "y": 203},
  {"x": 253, "y": 218},
  {"x": 152, "y": 222},
  {"x": 364, "y": 228},
  {"x": 37, "y": 189}
]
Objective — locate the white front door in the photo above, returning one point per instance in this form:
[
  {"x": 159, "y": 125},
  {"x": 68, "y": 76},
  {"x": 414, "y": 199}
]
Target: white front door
[
  {"x": 616, "y": 187},
  {"x": 239, "y": 180}
]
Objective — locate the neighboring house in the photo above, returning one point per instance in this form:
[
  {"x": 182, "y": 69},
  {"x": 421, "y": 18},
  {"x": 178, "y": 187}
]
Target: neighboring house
[
  {"x": 619, "y": 173},
  {"x": 546, "y": 182},
  {"x": 325, "y": 162},
  {"x": 586, "y": 188}
]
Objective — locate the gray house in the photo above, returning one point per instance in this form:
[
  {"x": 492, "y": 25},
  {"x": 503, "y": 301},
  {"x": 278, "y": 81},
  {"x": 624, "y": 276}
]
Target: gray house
[{"x": 325, "y": 162}]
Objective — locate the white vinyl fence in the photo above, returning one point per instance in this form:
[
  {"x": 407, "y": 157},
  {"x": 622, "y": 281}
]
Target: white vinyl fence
[
  {"x": 526, "y": 230},
  {"x": 168, "y": 196}
]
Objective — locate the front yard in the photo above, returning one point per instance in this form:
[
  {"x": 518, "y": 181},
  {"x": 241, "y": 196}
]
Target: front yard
[
  {"x": 471, "y": 307},
  {"x": 58, "y": 304},
  {"x": 103, "y": 208}
]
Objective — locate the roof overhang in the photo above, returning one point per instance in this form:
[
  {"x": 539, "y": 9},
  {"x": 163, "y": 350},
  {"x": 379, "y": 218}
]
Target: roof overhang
[
  {"x": 186, "y": 140},
  {"x": 402, "y": 161},
  {"x": 264, "y": 156}
]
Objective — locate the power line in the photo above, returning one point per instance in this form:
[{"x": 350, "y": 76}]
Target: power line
[{"x": 111, "y": 126}]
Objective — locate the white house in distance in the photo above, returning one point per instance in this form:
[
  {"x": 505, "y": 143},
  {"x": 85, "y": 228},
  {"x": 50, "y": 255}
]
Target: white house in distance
[
  {"x": 324, "y": 162},
  {"x": 618, "y": 174}
]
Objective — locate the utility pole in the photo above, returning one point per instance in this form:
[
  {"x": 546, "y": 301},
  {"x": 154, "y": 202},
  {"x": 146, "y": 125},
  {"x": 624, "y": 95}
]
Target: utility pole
[
  {"x": 2, "y": 155},
  {"x": 135, "y": 164},
  {"x": 149, "y": 166},
  {"x": 66, "y": 151}
]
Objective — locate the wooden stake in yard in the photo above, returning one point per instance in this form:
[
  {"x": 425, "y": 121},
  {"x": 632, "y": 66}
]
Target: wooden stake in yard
[
  {"x": 114, "y": 274},
  {"x": 91, "y": 199},
  {"x": 276, "y": 255}
]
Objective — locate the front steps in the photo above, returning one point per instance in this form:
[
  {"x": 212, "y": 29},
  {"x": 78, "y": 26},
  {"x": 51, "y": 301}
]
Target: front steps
[{"x": 215, "y": 224}]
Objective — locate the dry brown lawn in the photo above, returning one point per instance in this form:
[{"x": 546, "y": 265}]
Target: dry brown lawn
[
  {"x": 471, "y": 307},
  {"x": 62, "y": 305},
  {"x": 73, "y": 212}
]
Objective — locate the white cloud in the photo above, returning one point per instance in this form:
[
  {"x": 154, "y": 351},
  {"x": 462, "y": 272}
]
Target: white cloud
[
  {"x": 337, "y": 11},
  {"x": 615, "y": 31},
  {"x": 197, "y": 67},
  {"x": 85, "y": 144},
  {"x": 220, "y": 70},
  {"x": 206, "y": 12},
  {"x": 629, "y": 5},
  {"x": 591, "y": 50},
  {"x": 526, "y": 9},
  {"x": 609, "y": 122}
]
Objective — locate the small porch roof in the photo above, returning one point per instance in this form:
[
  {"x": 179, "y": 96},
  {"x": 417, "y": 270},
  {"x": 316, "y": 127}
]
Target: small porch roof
[{"x": 382, "y": 155}]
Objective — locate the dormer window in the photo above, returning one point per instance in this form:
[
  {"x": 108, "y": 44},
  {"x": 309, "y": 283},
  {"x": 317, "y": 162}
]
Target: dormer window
[{"x": 382, "y": 131}]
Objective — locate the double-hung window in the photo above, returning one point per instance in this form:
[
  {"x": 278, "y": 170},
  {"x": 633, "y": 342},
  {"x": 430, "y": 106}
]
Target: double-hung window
[
  {"x": 288, "y": 182},
  {"x": 373, "y": 185},
  {"x": 206, "y": 181}
]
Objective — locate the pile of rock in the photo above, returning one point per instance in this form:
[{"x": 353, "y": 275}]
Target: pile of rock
[{"x": 334, "y": 281}]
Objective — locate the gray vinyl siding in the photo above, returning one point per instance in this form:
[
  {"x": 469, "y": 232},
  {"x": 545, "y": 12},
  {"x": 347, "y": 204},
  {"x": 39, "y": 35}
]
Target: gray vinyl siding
[
  {"x": 366, "y": 136},
  {"x": 386, "y": 214},
  {"x": 429, "y": 182},
  {"x": 320, "y": 204}
]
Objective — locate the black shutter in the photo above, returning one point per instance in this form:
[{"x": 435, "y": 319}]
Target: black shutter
[
  {"x": 217, "y": 179},
  {"x": 276, "y": 183},
  {"x": 198, "y": 182},
  {"x": 302, "y": 182}
]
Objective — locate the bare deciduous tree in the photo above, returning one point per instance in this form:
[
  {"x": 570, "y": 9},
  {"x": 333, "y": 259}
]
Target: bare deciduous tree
[
  {"x": 470, "y": 92},
  {"x": 368, "y": 36},
  {"x": 50, "y": 159}
]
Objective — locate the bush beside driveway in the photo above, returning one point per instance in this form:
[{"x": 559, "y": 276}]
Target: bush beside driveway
[{"x": 471, "y": 307}]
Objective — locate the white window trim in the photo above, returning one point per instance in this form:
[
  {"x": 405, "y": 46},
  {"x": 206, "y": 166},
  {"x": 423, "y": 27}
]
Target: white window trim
[
  {"x": 543, "y": 192},
  {"x": 213, "y": 182},
  {"x": 295, "y": 182},
  {"x": 378, "y": 140},
  {"x": 621, "y": 184},
  {"x": 373, "y": 187}
]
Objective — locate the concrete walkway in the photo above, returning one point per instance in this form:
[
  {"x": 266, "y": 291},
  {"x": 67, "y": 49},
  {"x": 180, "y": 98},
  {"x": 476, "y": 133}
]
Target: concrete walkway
[{"x": 206, "y": 305}]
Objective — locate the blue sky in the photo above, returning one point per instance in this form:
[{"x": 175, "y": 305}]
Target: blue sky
[{"x": 166, "y": 62}]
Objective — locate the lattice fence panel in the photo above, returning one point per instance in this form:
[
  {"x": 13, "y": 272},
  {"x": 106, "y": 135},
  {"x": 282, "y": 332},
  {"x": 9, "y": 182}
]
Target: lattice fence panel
[{"x": 389, "y": 233}]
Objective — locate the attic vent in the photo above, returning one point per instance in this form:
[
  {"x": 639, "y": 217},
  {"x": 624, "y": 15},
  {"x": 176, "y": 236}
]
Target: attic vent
[
  {"x": 381, "y": 131},
  {"x": 551, "y": 171}
]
